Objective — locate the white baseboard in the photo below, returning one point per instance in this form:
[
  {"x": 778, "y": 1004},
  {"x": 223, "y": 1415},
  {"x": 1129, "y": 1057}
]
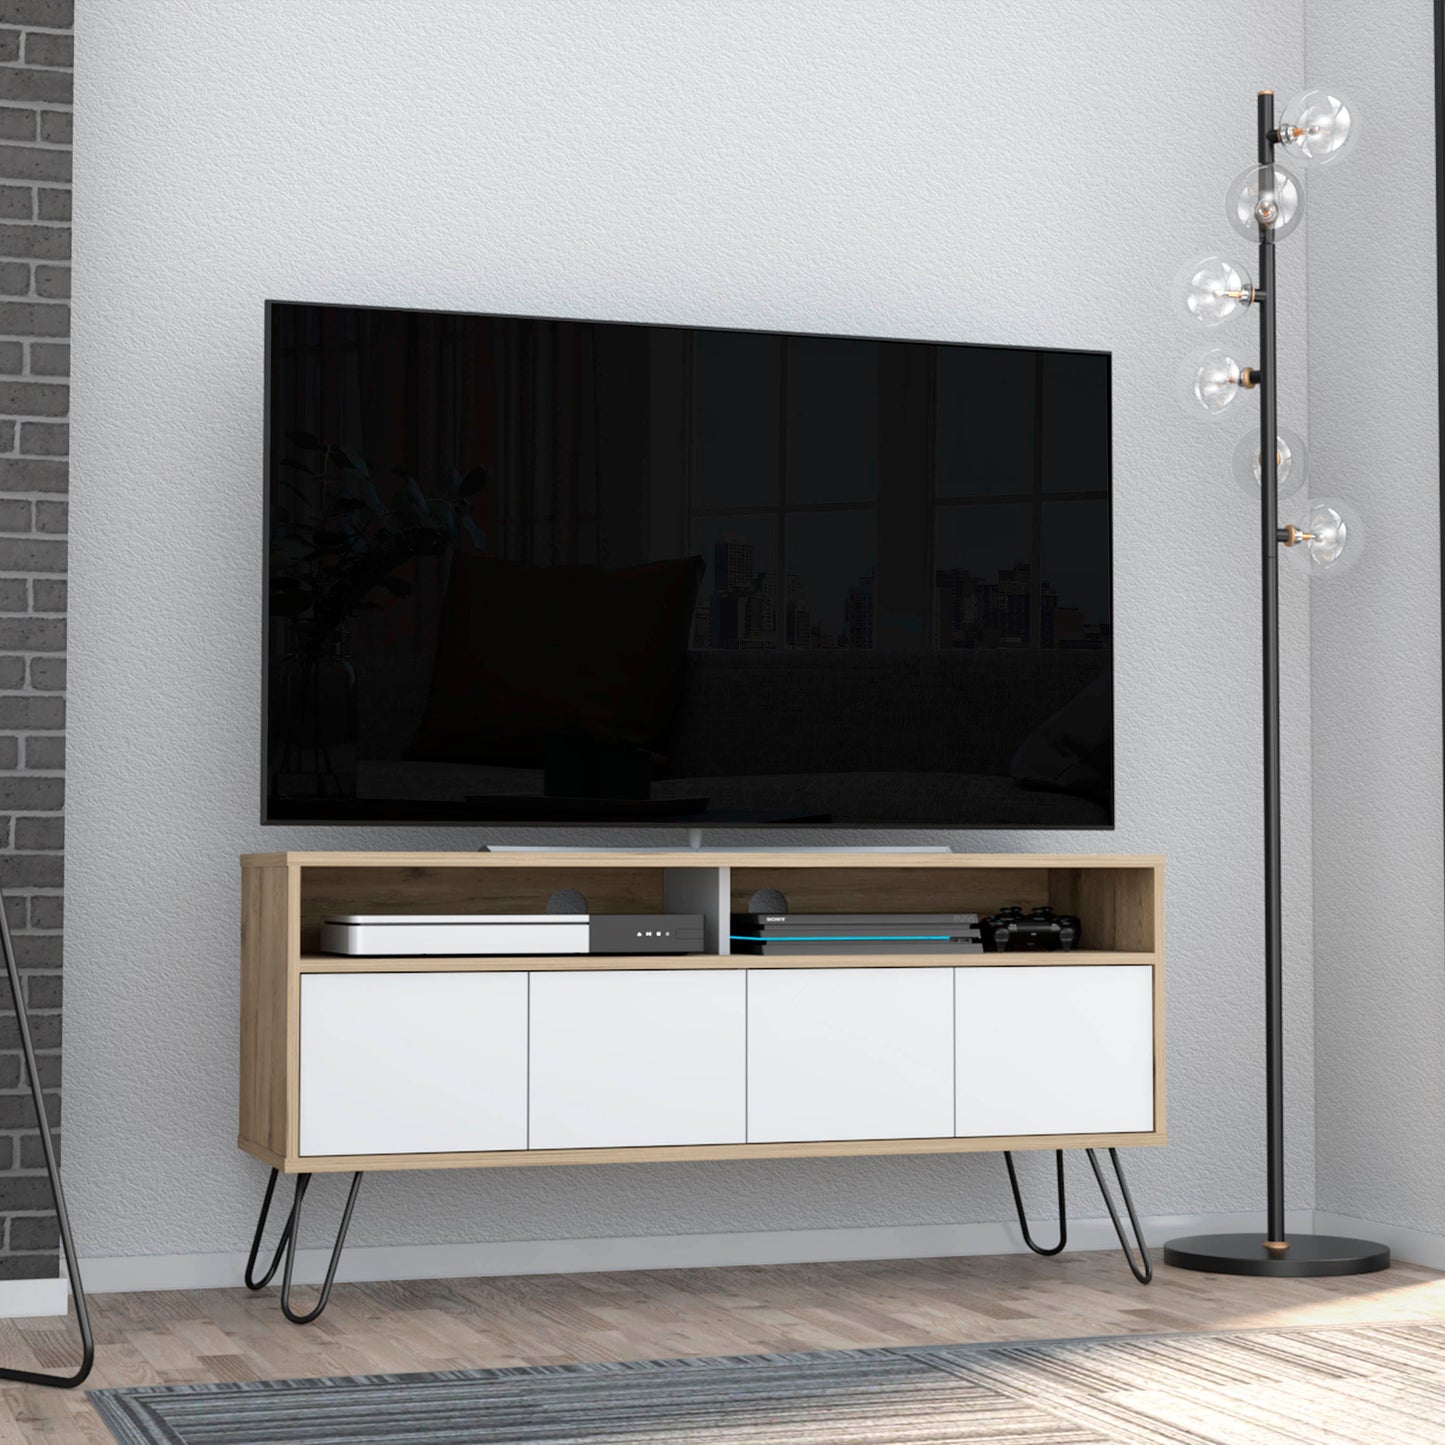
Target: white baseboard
[
  {"x": 683, "y": 1251},
  {"x": 38, "y": 1297},
  {"x": 1409, "y": 1246},
  {"x": 27, "y": 1298}
]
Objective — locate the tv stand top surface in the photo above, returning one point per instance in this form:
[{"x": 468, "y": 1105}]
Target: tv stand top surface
[{"x": 698, "y": 858}]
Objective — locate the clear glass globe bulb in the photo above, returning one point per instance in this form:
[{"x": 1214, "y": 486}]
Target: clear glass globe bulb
[
  {"x": 1209, "y": 380},
  {"x": 1213, "y": 289},
  {"x": 1264, "y": 198},
  {"x": 1333, "y": 539},
  {"x": 1292, "y": 463},
  {"x": 1329, "y": 534},
  {"x": 1317, "y": 126}
]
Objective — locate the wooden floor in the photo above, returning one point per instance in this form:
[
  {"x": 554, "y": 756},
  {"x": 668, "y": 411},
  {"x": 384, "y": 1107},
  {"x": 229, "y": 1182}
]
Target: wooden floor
[{"x": 461, "y": 1324}]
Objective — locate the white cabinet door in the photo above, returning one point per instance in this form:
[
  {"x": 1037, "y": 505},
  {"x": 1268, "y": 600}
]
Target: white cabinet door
[
  {"x": 637, "y": 1056},
  {"x": 1047, "y": 1049},
  {"x": 850, "y": 1053},
  {"x": 413, "y": 1063}
]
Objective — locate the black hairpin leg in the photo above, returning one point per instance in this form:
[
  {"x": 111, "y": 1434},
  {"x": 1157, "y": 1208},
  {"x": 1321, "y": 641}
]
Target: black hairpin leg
[
  {"x": 1013, "y": 1181},
  {"x": 47, "y": 1145},
  {"x": 1147, "y": 1273},
  {"x": 288, "y": 1240},
  {"x": 252, "y": 1283}
]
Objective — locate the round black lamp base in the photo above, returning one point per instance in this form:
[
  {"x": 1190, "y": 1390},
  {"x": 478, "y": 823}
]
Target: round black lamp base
[{"x": 1308, "y": 1255}]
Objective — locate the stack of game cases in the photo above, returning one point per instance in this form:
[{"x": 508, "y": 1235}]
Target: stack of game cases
[{"x": 801, "y": 934}]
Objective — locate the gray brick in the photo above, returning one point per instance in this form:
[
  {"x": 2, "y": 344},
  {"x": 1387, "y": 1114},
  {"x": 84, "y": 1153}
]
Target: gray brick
[
  {"x": 39, "y": 835},
  {"x": 37, "y": 795},
  {"x": 32, "y": 634},
  {"x": 32, "y": 555},
  {"x": 33, "y": 318},
  {"x": 9, "y": 754},
  {"x": 32, "y": 870},
  {"x": 44, "y": 438},
  {"x": 46, "y": 243},
  {"x": 57, "y": 127},
  {"x": 22, "y": 475},
  {"x": 16, "y": 123},
  {"x": 49, "y": 1067},
  {"x": 31, "y": 1154},
  {"x": 14, "y": 595},
  {"x": 9, "y": 46},
  {"x": 48, "y": 595},
  {"x": 12, "y": 358},
  {"x": 7, "y": 439},
  {"x": 15, "y": 913},
  {"x": 52, "y": 205},
  {"x": 52, "y": 518},
  {"x": 40, "y": 950},
  {"x": 51, "y": 14},
  {"x": 12, "y": 674},
  {"x": 47, "y": 674},
  {"x": 34, "y": 1234},
  {"x": 17, "y": 1111},
  {"x": 43, "y": 990},
  {"x": 50, "y": 358},
  {"x": 15, "y": 515},
  {"x": 25, "y": 398},
  {"x": 11, "y": 1077},
  {"x": 44, "y": 1032},
  {"x": 29, "y": 1266},
  {"x": 38, "y": 714},
  {"x": 45, "y": 755},
  {"x": 17, "y": 203},
  {"x": 47, "y": 910},
  {"x": 53, "y": 281},
  {"x": 14, "y": 278},
  {"x": 54, "y": 50},
  {"x": 55, "y": 86}
]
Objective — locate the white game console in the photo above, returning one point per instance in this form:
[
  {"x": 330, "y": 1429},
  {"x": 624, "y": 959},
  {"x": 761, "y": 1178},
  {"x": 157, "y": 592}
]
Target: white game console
[{"x": 475, "y": 935}]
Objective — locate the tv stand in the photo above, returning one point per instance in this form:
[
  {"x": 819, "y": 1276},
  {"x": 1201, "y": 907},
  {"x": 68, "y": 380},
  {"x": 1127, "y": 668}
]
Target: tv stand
[{"x": 356, "y": 1064}]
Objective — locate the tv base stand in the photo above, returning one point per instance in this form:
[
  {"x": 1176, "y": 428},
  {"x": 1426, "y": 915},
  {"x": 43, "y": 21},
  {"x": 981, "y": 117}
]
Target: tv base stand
[{"x": 358, "y": 1064}]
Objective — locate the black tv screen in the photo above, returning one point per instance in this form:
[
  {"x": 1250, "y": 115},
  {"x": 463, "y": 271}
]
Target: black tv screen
[{"x": 530, "y": 571}]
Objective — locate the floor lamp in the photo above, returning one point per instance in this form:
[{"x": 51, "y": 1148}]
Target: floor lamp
[{"x": 1264, "y": 204}]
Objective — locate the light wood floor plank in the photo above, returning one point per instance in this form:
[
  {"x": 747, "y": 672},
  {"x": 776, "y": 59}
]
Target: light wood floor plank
[{"x": 177, "y": 1337}]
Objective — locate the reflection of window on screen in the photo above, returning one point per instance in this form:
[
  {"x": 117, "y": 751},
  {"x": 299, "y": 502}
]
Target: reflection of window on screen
[
  {"x": 1021, "y": 510},
  {"x": 784, "y": 472}
]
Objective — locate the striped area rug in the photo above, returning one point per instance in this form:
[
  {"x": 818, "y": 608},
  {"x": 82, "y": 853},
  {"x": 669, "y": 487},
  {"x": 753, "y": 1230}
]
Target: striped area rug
[{"x": 1365, "y": 1385}]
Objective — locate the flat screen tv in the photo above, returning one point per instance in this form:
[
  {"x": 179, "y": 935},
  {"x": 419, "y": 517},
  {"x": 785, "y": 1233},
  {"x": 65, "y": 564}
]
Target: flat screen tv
[{"x": 524, "y": 571}]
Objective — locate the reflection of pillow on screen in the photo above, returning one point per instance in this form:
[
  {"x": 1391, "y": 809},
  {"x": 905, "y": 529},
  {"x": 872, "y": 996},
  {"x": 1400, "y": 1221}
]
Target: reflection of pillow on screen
[
  {"x": 1072, "y": 752},
  {"x": 524, "y": 653}
]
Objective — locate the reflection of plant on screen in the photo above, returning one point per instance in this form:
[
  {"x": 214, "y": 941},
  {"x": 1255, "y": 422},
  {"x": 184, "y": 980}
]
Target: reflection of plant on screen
[{"x": 334, "y": 541}]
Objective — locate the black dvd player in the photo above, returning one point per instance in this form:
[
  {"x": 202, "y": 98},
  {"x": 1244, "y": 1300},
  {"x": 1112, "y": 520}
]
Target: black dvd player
[{"x": 644, "y": 933}]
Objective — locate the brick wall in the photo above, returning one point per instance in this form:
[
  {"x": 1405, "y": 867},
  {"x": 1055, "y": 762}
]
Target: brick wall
[{"x": 35, "y": 135}]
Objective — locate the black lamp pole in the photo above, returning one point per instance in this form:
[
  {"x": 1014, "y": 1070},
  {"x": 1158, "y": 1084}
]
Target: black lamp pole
[
  {"x": 1269, "y": 610},
  {"x": 1274, "y": 1252}
]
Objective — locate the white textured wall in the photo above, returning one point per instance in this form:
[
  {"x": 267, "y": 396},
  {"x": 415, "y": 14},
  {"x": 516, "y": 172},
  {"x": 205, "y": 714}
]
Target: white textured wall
[
  {"x": 992, "y": 171},
  {"x": 1380, "y": 963}
]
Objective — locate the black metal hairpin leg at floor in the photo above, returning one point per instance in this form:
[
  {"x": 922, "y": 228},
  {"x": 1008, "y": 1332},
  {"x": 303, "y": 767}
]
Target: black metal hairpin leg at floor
[
  {"x": 47, "y": 1146},
  {"x": 286, "y": 1247},
  {"x": 1013, "y": 1181},
  {"x": 252, "y": 1283},
  {"x": 1147, "y": 1273},
  {"x": 1143, "y": 1274}
]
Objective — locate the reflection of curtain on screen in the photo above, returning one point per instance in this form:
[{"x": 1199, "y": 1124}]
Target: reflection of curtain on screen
[{"x": 544, "y": 501}]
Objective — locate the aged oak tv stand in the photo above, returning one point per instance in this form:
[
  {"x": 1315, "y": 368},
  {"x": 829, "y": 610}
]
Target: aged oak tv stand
[{"x": 359, "y": 1064}]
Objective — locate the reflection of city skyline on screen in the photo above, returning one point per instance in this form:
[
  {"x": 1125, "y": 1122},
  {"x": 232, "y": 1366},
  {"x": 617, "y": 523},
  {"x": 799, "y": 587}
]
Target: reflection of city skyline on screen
[{"x": 741, "y": 605}]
